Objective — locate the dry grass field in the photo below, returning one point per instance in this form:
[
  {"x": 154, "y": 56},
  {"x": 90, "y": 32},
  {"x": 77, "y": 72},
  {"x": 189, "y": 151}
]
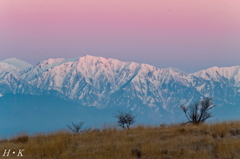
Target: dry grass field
[{"x": 205, "y": 141}]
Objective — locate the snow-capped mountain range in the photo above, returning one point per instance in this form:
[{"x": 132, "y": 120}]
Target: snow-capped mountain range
[{"x": 104, "y": 83}]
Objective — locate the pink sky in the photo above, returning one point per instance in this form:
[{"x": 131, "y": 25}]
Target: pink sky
[{"x": 158, "y": 32}]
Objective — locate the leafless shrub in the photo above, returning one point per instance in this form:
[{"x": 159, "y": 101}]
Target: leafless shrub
[
  {"x": 125, "y": 119},
  {"x": 76, "y": 128},
  {"x": 198, "y": 112}
]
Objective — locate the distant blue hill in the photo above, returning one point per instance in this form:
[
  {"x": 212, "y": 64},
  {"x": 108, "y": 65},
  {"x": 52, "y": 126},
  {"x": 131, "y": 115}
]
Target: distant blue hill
[{"x": 44, "y": 113}]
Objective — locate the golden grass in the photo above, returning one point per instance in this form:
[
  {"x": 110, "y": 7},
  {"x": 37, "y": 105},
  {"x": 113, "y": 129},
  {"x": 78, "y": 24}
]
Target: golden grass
[{"x": 205, "y": 141}]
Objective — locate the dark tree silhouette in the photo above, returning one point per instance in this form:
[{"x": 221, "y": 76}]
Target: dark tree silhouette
[
  {"x": 125, "y": 119},
  {"x": 75, "y": 128},
  {"x": 198, "y": 112}
]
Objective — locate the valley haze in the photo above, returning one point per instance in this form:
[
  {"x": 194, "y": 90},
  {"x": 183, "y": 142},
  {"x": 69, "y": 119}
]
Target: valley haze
[{"x": 57, "y": 91}]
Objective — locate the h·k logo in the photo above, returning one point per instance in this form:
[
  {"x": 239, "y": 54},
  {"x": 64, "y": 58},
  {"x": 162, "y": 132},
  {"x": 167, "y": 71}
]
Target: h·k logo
[{"x": 8, "y": 152}]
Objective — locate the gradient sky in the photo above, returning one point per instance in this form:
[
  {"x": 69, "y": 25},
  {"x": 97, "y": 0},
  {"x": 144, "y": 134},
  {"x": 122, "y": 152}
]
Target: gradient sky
[{"x": 190, "y": 35}]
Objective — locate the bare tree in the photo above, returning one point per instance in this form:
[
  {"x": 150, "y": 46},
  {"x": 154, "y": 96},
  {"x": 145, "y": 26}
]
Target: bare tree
[
  {"x": 198, "y": 112},
  {"x": 125, "y": 119},
  {"x": 75, "y": 128}
]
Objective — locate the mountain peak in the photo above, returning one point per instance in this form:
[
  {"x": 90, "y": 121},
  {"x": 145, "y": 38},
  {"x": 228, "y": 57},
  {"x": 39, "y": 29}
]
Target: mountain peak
[{"x": 13, "y": 65}]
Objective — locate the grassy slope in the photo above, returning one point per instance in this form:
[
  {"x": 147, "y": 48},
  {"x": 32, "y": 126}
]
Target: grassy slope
[{"x": 206, "y": 141}]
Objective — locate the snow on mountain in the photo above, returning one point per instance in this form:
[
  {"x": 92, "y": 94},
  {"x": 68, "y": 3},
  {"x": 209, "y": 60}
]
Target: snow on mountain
[
  {"x": 8, "y": 82},
  {"x": 93, "y": 73},
  {"x": 230, "y": 75},
  {"x": 7, "y": 69},
  {"x": 101, "y": 82},
  {"x": 33, "y": 72},
  {"x": 13, "y": 65}
]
